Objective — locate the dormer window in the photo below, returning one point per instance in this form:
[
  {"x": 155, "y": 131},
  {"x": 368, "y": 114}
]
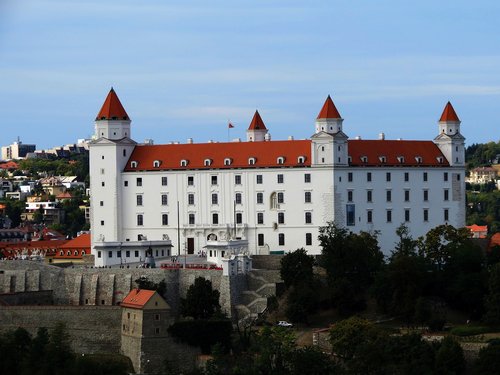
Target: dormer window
[
  {"x": 252, "y": 161},
  {"x": 133, "y": 164},
  {"x": 156, "y": 164},
  {"x": 207, "y": 162},
  {"x": 364, "y": 159},
  {"x": 401, "y": 159},
  {"x": 418, "y": 159},
  {"x": 280, "y": 160},
  {"x": 382, "y": 159},
  {"x": 228, "y": 161},
  {"x": 184, "y": 163},
  {"x": 301, "y": 159}
]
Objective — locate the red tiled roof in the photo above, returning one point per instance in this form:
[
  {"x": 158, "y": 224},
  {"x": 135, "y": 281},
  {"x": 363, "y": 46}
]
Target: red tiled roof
[
  {"x": 112, "y": 108},
  {"x": 449, "y": 113},
  {"x": 66, "y": 194},
  {"x": 396, "y": 153},
  {"x": 477, "y": 228},
  {"x": 408, "y": 152},
  {"x": 9, "y": 165},
  {"x": 137, "y": 298},
  {"x": 266, "y": 155},
  {"x": 495, "y": 240},
  {"x": 80, "y": 242},
  {"x": 257, "y": 123},
  {"x": 329, "y": 110}
]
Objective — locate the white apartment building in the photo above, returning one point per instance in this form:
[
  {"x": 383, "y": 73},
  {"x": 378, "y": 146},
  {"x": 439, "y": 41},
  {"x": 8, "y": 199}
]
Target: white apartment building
[{"x": 268, "y": 195}]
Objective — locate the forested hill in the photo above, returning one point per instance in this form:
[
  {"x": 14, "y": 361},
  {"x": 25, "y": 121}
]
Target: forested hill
[{"x": 481, "y": 154}]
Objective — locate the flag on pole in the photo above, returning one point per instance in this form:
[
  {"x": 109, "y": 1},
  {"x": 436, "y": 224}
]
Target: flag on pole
[{"x": 230, "y": 125}]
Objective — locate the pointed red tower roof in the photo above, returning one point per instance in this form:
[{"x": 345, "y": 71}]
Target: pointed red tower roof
[
  {"x": 329, "y": 110},
  {"x": 257, "y": 123},
  {"x": 112, "y": 108},
  {"x": 449, "y": 114}
]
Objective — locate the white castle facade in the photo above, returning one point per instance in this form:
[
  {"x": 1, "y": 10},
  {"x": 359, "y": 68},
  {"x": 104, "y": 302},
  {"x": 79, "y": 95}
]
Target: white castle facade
[{"x": 266, "y": 195}]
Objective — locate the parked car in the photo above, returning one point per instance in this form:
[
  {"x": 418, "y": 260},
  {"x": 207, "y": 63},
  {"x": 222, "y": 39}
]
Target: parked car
[{"x": 284, "y": 323}]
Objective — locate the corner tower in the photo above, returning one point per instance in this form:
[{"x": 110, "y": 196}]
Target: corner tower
[
  {"x": 112, "y": 121},
  {"x": 450, "y": 141},
  {"x": 257, "y": 130}
]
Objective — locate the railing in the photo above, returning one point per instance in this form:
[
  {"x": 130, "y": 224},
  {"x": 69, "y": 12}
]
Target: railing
[{"x": 190, "y": 266}]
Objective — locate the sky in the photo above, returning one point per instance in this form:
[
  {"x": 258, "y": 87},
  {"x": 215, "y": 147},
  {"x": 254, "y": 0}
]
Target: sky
[{"x": 183, "y": 69}]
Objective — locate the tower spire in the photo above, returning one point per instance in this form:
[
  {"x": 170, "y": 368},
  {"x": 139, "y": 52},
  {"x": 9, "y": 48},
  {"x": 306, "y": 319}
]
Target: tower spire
[{"x": 112, "y": 108}]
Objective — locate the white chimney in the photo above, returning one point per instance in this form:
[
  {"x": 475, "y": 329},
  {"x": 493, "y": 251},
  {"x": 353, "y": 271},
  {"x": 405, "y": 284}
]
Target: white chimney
[
  {"x": 190, "y": 141},
  {"x": 267, "y": 137},
  {"x": 381, "y": 136},
  {"x": 290, "y": 137},
  {"x": 358, "y": 137}
]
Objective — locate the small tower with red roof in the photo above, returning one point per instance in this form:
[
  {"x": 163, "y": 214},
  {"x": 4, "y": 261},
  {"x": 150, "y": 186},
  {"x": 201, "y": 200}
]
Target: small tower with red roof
[
  {"x": 112, "y": 121},
  {"x": 449, "y": 140},
  {"x": 257, "y": 130},
  {"x": 329, "y": 120}
]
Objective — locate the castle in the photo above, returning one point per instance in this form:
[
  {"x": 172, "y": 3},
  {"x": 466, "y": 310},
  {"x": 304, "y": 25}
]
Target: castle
[{"x": 268, "y": 195}]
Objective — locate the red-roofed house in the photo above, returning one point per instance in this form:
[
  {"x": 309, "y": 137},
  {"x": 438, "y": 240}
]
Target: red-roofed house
[
  {"x": 270, "y": 195},
  {"x": 494, "y": 240},
  {"x": 73, "y": 250},
  {"x": 478, "y": 231}
]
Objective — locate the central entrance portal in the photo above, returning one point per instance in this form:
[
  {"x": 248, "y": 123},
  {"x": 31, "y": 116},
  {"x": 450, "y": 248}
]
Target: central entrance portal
[{"x": 190, "y": 244}]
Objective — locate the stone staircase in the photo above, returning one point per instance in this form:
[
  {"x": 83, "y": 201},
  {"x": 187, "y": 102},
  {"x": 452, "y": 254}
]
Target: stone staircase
[{"x": 253, "y": 302}]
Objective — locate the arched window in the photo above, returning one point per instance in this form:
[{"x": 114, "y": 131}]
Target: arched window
[
  {"x": 75, "y": 252},
  {"x": 184, "y": 163},
  {"x": 364, "y": 159},
  {"x": 280, "y": 160},
  {"x": 273, "y": 201},
  {"x": 156, "y": 164},
  {"x": 228, "y": 161},
  {"x": 133, "y": 164},
  {"x": 418, "y": 159},
  {"x": 382, "y": 159},
  {"x": 207, "y": 162},
  {"x": 252, "y": 161},
  {"x": 401, "y": 159},
  {"x": 301, "y": 159}
]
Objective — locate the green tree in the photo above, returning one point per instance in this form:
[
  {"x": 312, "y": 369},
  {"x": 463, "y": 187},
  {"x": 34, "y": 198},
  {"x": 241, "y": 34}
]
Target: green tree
[
  {"x": 488, "y": 362},
  {"x": 351, "y": 262},
  {"x": 144, "y": 283},
  {"x": 297, "y": 268},
  {"x": 201, "y": 302},
  {"x": 492, "y": 302},
  {"x": 276, "y": 345},
  {"x": 450, "y": 357},
  {"x": 60, "y": 357},
  {"x": 310, "y": 360}
]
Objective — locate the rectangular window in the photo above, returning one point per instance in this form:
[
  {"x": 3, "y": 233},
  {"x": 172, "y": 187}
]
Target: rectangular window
[
  {"x": 191, "y": 198},
  {"x": 136, "y": 253},
  {"x": 260, "y": 218},
  {"x": 309, "y": 239},
  {"x": 214, "y": 180},
  {"x": 103, "y": 183},
  {"x": 349, "y": 177},
  {"x": 350, "y": 214},
  {"x": 239, "y": 218},
  {"x": 138, "y": 181},
  {"x": 102, "y": 170},
  {"x": 281, "y": 179},
  {"x": 259, "y": 179},
  {"x": 407, "y": 215},
  {"x": 407, "y": 177},
  {"x": 119, "y": 254},
  {"x": 349, "y": 195},
  {"x": 388, "y": 216},
  {"x": 307, "y": 178},
  {"x": 237, "y": 179},
  {"x": 164, "y": 199},
  {"x": 369, "y": 195},
  {"x": 102, "y": 222},
  {"x": 215, "y": 198},
  {"x": 446, "y": 194},
  {"x": 308, "y": 217},
  {"x": 368, "y": 176},
  {"x": 260, "y": 198},
  {"x": 237, "y": 198},
  {"x": 260, "y": 239},
  {"x": 139, "y": 199},
  {"x": 190, "y": 180},
  {"x": 281, "y": 197},
  {"x": 99, "y": 254},
  {"x": 307, "y": 197},
  {"x": 281, "y": 218},
  {"x": 140, "y": 219},
  {"x": 125, "y": 183},
  {"x": 446, "y": 214},
  {"x": 127, "y": 254},
  {"x": 426, "y": 214},
  {"x": 388, "y": 195},
  {"x": 215, "y": 218},
  {"x": 425, "y": 176},
  {"x": 369, "y": 216},
  {"x": 445, "y": 176},
  {"x": 191, "y": 219},
  {"x": 388, "y": 176},
  {"x": 407, "y": 195},
  {"x": 426, "y": 195},
  {"x": 101, "y": 203},
  {"x": 164, "y": 181},
  {"x": 110, "y": 254},
  {"x": 281, "y": 239},
  {"x": 164, "y": 219}
]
